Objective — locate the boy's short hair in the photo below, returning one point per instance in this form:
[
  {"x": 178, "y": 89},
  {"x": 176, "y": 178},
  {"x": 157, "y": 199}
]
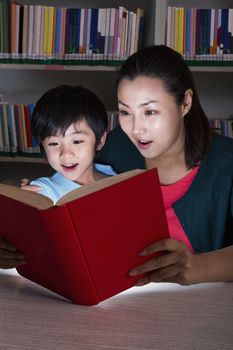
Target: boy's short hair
[{"x": 64, "y": 105}]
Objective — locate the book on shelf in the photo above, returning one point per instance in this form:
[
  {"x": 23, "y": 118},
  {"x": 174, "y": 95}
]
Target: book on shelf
[
  {"x": 83, "y": 246},
  {"x": 41, "y": 34},
  {"x": 202, "y": 35}
]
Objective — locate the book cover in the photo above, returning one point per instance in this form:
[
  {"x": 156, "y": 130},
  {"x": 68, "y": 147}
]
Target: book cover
[
  {"x": 5, "y": 131},
  {"x": 84, "y": 246},
  {"x": 30, "y": 30},
  {"x": 93, "y": 31},
  {"x": 11, "y": 129},
  {"x": 20, "y": 37},
  {"x": 6, "y": 27},
  {"x": 25, "y": 32},
  {"x": 28, "y": 128}
]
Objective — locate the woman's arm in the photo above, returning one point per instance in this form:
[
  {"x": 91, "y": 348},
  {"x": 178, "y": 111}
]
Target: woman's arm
[{"x": 179, "y": 265}]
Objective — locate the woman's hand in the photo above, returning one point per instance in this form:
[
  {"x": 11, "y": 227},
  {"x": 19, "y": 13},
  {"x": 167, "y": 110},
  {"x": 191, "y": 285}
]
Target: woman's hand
[
  {"x": 177, "y": 264},
  {"x": 24, "y": 184},
  {"x": 9, "y": 256}
]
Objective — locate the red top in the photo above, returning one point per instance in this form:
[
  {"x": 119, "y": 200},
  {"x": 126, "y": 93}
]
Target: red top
[{"x": 171, "y": 193}]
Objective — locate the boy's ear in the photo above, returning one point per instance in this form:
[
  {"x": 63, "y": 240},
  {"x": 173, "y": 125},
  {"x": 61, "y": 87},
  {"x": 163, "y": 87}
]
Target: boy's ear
[
  {"x": 102, "y": 142},
  {"x": 187, "y": 104}
]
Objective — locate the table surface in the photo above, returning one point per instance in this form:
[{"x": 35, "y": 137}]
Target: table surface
[{"x": 157, "y": 316}]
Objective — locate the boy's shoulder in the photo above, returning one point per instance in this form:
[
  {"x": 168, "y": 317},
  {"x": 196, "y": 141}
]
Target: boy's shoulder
[{"x": 105, "y": 169}]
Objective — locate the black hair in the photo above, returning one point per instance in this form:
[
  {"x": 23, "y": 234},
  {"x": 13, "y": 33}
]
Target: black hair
[
  {"x": 64, "y": 105},
  {"x": 162, "y": 62}
]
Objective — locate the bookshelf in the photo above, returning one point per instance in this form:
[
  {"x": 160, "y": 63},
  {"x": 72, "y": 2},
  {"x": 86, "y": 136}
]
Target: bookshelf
[
  {"x": 25, "y": 83},
  {"x": 214, "y": 82}
]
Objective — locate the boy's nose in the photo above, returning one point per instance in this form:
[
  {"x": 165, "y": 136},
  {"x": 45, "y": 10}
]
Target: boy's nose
[{"x": 66, "y": 151}]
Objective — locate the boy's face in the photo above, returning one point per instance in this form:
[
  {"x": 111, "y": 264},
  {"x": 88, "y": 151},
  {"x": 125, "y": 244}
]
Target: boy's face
[{"x": 72, "y": 154}]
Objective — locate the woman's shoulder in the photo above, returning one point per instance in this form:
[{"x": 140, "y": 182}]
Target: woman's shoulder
[
  {"x": 222, "y": 143},
  {"x": 220, "y": 157}
]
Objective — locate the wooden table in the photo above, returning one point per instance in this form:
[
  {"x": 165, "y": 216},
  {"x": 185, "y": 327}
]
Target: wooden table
[{"x": 157, "y": 316}]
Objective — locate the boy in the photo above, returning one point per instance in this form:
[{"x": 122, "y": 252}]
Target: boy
[{"x": 70, "y": 124}]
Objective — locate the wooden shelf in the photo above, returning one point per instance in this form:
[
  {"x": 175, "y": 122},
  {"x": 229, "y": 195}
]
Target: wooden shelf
[
  {"x": 215, "y": 69},
  {"x": 57, "y": 67},
  {"x": 53, "y": 67},
  {"x": 23, "y": 159}
]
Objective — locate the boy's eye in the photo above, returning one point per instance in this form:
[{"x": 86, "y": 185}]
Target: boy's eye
[
  {"x": 52, "y": 143},
  {"x": 123, "y": 113},
  {"x": 77, "y": 142}
]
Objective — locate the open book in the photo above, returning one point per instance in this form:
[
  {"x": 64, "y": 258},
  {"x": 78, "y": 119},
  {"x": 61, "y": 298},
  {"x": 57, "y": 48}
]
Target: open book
[{"x": 83, "y": 247}]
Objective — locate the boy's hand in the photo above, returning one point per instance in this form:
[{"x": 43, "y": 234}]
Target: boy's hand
[
  {"x": 177, "y": 265},
  {"x": 9, "y": 256},
  {"x": 24, "y": 184}
]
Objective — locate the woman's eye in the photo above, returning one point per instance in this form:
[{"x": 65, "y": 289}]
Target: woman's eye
[
  {"x": 123, "y": 113},
  {"x": 77, "y": 142},
  {"x": 150, "y": 112}
]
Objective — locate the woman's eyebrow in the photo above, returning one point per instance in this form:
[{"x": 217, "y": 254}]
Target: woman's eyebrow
[
  {"x": 141, "y": 104},
  {"x": 147, "y": 103},
  {"x": 122, "y": 103}
]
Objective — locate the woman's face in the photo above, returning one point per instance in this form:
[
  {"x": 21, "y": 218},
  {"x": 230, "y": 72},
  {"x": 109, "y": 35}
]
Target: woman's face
[{"x": 149, "y": 115}]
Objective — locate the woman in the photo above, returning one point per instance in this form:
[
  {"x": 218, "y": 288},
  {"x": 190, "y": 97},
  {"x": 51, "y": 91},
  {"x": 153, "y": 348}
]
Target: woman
[{"x": 160, "y": 112}]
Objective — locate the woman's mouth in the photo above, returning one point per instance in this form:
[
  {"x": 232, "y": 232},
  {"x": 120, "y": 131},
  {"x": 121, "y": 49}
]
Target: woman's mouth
[{"x": 143, "y": 145}]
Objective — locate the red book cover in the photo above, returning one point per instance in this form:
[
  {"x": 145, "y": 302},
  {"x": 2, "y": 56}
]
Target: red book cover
[
  {"x": 28, "y": 126},
  {"x": 84, "y": 246}
]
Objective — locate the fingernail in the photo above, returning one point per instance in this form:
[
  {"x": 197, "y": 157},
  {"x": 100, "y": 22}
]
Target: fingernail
[
  {"x": 133, "y": 272},
  {"x": 144, "y": 252},
  {"x": 139, "y": 283}
]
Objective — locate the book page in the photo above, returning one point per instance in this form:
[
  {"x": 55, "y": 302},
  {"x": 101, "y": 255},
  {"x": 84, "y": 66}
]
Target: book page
[
  {"x": 96, "y": 186},
  {"x": 31, "y": 198},
  {"x": 41, "y": 202}
]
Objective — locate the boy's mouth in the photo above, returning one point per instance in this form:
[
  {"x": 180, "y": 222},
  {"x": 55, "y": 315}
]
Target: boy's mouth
[{"x": 69, "y": 166}]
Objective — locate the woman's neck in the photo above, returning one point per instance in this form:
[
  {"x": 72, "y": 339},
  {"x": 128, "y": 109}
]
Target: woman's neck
[{"x": 170, "y": 169}]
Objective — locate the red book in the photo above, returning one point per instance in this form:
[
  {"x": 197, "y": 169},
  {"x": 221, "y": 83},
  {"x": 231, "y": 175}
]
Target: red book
[{"x": 84, "y": 246}]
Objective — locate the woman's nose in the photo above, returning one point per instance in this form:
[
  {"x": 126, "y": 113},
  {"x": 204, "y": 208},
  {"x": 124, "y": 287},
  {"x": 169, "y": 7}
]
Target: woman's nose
[{"x": 138, "y": 125}]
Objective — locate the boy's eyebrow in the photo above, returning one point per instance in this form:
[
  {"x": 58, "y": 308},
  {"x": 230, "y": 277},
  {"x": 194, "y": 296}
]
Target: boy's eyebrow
[
  {"x": 140, "y": 105},
  {"x": 80, "y": 132}
]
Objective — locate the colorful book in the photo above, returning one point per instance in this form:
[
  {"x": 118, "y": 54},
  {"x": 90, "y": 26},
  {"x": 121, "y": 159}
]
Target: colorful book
[{"x": 84, "y": 246}]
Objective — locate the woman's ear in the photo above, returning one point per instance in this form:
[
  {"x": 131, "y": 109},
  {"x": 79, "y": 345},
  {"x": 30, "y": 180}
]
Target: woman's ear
[
  {"x": 187, "y": 104},
  {"x": 102, "y": 142}
]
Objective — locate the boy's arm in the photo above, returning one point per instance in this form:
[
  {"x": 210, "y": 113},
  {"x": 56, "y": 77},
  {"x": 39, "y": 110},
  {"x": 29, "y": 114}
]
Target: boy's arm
[
  {"x": 9, "y": 256},
  {"x": 24, "y": 184}
]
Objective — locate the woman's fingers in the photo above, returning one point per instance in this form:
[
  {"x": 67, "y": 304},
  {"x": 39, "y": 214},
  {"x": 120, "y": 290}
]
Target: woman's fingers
[
  {"x": 175, "y": 265},
  {"x": 168, "y": 244},
  {"x": 155, "y": 264}
]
